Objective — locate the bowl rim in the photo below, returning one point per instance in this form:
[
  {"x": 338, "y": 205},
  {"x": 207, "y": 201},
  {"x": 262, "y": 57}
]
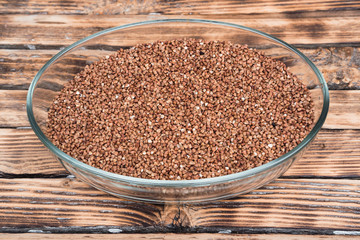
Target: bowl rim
[{"x": 176, "y": 183}]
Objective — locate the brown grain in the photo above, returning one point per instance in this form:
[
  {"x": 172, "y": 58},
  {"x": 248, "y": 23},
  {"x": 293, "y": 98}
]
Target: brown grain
[{"x": 181, "y": 109}]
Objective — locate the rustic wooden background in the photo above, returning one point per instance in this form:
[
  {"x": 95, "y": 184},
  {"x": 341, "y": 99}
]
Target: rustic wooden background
[{"x": 319, "y": 197}]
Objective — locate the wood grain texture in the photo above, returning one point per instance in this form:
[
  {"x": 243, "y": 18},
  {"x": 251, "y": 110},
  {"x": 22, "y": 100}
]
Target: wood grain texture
[
  {"x": 54, "y": 31},
  {"x": 318, "y": 198},
  {"x": 172, "y": 236},
  {"x": 44, "y": 202},
  {"x": 340, "y": 66},
  {"x": 172, "y": 7},
  {"x": 13, "y": 108},
  {"x": 310, "y": 204},
  {"x": 344, "y": 110},
  {"x": 334, "y": 154},
  {"x": 22, "y": 153},
  {"x": 19, "y": 67},
  {"x": 314, "y": 204}
]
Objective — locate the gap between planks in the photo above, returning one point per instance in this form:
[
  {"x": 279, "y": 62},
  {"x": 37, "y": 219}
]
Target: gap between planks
[{"x": 172, "y": 236}]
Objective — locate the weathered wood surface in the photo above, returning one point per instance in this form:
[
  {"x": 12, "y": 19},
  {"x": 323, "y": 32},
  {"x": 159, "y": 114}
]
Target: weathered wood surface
[
  {"x": 344, "y": 110},
  {"x": 334, "y": 154},
  {"x": 173, "y": 7},
  {"x": 42, "y": 31},
  {"x": 319, "y": 205},
  {"x": 172, "y": 236},
  {"x": 318, "y": 196},
  {"x": 22, "y": 153},
  {"x": 340, "y": 66}
]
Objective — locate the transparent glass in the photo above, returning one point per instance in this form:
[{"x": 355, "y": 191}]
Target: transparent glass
[{"x": 64, "y": 65}]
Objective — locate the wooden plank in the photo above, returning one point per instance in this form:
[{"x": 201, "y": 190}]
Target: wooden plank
[
  {"x": 344, "y": 110},
  {"x": 13, "y": 108},
  {"x": 19, "y": 67},
  {"x": 299, "y": 203},
  {"x": 171, "y": 7},
  {"x": 52, "y": 203},
  {"x": 22, "y": 153},
  {"x": 171, "y": 236},
  {"x": 334, "y": 154},
  {"x": 313, "y": 204},
  {"x": 340, "y": 65},
  {"x": 43, "y": 31}
]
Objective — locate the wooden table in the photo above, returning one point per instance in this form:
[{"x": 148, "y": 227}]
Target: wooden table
[{"x": 319, "y": 197}]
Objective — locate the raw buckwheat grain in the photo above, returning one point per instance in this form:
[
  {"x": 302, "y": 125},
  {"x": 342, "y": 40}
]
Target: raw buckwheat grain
[{"x": 181, "y": 109}]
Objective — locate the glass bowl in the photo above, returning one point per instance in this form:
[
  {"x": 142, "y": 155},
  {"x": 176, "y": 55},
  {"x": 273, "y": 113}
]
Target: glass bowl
[{"x": 63, "y": 66}]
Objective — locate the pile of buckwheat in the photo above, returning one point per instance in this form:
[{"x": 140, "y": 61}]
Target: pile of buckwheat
[{"x": 181, "y": 109}]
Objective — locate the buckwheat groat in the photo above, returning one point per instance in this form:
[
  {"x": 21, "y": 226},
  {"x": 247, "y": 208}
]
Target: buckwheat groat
[{"x": 181, "y": 109}]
